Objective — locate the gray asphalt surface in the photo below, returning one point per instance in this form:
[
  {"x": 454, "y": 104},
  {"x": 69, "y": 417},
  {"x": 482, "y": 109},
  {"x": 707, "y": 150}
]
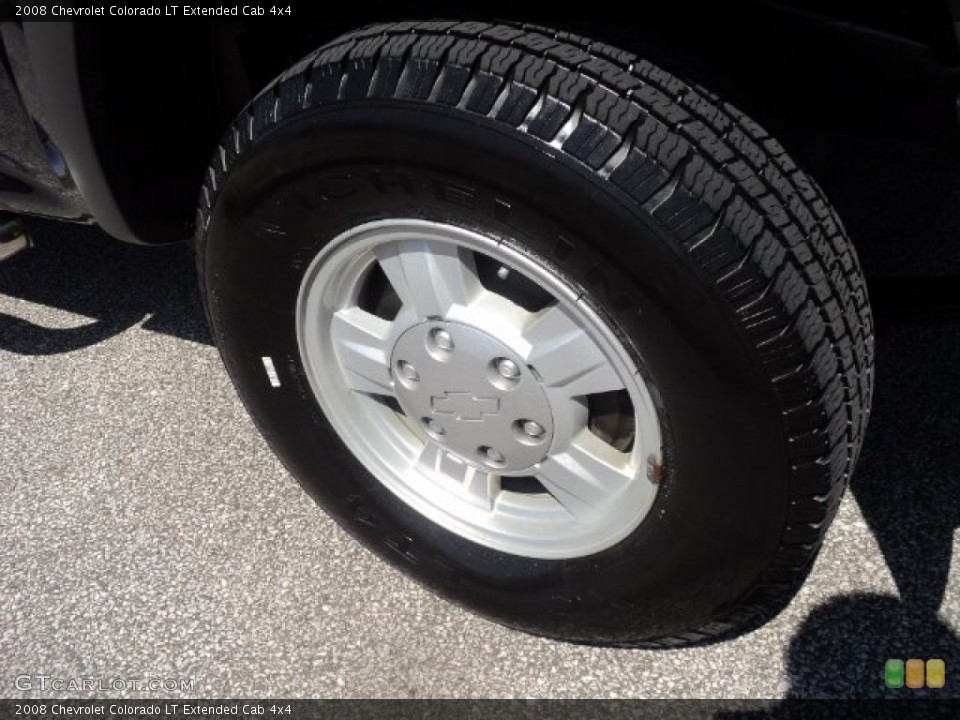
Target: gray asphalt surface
[{"x": 147, "y": 531}]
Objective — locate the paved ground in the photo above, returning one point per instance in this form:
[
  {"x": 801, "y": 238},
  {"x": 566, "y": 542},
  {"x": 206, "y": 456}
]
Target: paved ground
[{"x": 146, "y": 530}]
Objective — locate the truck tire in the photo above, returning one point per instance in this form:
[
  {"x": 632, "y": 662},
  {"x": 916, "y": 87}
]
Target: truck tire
[{"x": 568, "y": 340}]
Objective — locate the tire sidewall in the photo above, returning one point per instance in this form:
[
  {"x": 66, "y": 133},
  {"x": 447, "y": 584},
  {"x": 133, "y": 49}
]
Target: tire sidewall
[{"x": 720, "y": 509}]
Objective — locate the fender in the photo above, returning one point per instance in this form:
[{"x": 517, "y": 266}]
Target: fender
[
  {"x": 56, "y": 162},
  {"x": 52, "y": 58}
]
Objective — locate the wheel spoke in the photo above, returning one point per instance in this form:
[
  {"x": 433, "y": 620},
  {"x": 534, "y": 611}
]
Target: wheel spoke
[
  {"x": 475, "y": 485},
  {"x": 430, "y": 276},
  {"x": 566, "y": 357},
  {"x": 585, "y": 476},
  {"x": 430, "y": 459},
  {"x": 361, "y": 343},
  {"x": 481, "y": 487}
]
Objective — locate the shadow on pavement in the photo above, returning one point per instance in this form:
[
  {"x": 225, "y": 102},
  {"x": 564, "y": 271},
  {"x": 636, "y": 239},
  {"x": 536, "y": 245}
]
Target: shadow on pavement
[
  {"x": 908, "y": 481},
  {"x": 80, "y": 270},
  {"x": 841, "y": 648},
  {"x": 840, "y": 652}
]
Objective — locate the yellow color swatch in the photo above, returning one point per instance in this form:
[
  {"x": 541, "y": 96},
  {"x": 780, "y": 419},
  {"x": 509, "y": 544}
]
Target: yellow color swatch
[
  {"x": 914, "y": 673},
  {"x": 936, "y": 673}
]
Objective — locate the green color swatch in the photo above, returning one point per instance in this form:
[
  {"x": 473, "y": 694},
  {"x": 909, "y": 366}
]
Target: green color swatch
[{"x": 893, "y": 671}]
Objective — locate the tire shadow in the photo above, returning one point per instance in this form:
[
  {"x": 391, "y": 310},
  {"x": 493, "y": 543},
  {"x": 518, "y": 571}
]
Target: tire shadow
[
  {"x": 841, "y": 649},
  {"x": 79, "y": 270},
  {"x": 908, "y": 480}
]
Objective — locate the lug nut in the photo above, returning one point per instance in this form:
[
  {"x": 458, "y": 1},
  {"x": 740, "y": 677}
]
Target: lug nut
[
  {"x": 503, "y": 272},
  {"x": 533, "y": 429},
  {"x": 508, "y": 368},
  {"x": 433, "y": 427},
  {"x": 408, "y": 371},
  {"x": 442, "y": 339},
  {"x": 491, "y": 456}
]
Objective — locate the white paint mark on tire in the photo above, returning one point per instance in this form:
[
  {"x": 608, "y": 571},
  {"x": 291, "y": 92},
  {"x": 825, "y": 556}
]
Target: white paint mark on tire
[{"x": 271, "y": 371}]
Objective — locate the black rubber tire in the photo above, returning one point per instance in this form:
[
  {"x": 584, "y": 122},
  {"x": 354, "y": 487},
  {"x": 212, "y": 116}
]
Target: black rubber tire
[{"x": 719, "y": 261}]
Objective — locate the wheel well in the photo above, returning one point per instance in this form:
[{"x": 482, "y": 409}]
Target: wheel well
[{"x": 157, "y": 103}]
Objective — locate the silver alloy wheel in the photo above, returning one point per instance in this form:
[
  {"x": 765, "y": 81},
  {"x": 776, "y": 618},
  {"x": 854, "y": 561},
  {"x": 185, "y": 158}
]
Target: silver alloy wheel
[{"x": 464, "y": 393}]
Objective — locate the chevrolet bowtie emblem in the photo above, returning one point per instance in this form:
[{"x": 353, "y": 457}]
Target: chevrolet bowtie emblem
[{"x": 464, "y": 405}]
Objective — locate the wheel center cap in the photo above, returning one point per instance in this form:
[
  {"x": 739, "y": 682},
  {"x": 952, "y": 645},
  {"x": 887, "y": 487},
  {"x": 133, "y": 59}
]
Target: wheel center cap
[{"x": 472, "y": 395}]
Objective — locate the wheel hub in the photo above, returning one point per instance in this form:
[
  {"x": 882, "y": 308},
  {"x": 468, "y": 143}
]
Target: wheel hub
[{"x": 472, "y": 395}]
